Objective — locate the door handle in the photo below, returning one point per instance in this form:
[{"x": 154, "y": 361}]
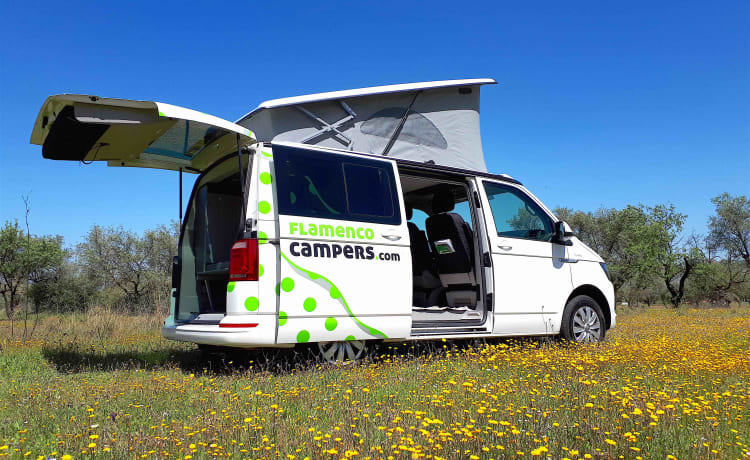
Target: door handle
[
  {"x": 505, "y": 248},
  {"x": 391, "y": 237}
]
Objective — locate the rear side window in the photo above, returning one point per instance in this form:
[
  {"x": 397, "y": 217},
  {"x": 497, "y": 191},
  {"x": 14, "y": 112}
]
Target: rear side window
[{"x": 314, "y": 184}]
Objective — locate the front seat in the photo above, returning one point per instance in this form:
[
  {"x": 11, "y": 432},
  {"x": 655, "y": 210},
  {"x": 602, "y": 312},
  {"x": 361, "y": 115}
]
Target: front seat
[
  {"x": 420, "y": 249},
  {"x": 452, "y": 241},
  {"x": 425, "y": 283}
]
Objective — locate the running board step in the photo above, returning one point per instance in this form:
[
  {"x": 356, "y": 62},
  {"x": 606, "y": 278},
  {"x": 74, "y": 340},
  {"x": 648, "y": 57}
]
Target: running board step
[{"x": 469, "y": 330}]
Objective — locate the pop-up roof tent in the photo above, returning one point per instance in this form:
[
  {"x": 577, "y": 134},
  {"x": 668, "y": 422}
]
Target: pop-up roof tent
[{"x": 432, "y": 121}]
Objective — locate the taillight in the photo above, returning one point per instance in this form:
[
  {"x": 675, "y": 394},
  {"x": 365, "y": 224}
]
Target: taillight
[{"x": 243, "y": 261}]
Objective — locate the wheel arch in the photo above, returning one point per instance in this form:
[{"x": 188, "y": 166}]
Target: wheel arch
[{"x": 596, "y": 294}]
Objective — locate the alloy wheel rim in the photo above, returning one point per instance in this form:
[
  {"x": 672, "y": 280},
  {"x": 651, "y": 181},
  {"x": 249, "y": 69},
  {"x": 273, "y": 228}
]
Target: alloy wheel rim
[
  {"x": 586, "y": 325},
  {"x": 350, "y": 350}
]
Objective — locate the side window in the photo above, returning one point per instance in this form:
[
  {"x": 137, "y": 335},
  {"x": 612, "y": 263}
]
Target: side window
[
  {"x": 314, "y": 184},
  {"x": 516, "y": 215},
  {"x": 418, "y": 218},
  {"x": 463, "y": 209}
]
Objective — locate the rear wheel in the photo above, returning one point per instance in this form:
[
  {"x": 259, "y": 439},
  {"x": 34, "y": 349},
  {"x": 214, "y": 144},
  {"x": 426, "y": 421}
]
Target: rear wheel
[
  {"x": 583, "y": 321},
  {"x": 349, "y": 350}
]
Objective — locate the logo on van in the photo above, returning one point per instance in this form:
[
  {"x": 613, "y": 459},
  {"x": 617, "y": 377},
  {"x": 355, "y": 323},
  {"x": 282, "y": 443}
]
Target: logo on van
[
  {"x": 332, "y": 251},
  {"x": 338, "y": 231}
]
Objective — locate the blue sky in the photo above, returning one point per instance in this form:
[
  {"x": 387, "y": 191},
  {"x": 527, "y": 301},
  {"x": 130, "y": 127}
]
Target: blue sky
[{"x": 599, "y": 103}]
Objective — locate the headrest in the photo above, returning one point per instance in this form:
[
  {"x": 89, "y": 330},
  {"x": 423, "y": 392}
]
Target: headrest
[
  {"x": 443, "y": 201},
  {"x": 409, "y": 212}
]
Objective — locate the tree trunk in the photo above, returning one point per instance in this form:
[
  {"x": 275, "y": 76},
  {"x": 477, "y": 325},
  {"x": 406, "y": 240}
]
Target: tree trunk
[{"x": 677, "y": 294}]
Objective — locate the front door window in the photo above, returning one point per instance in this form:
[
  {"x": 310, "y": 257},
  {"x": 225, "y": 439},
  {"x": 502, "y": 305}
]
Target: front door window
[{"x": 516, "y": 216}]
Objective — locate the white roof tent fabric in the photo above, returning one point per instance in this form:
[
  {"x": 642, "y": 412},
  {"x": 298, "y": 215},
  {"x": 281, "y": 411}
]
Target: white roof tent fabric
[{"x": 434, "y": 121}]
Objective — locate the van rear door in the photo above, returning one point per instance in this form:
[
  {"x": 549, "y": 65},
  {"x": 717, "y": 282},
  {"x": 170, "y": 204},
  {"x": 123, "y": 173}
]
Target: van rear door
[{"x": 141, "y": 134}]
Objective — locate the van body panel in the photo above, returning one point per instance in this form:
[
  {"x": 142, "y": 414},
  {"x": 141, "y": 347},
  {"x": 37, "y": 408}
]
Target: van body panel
[
  {"x": 591, "y": 273},
  {"x": 329, "y": 267},
  {"x": 532, "y": 276},
  {"x": 338, "y": 291}
]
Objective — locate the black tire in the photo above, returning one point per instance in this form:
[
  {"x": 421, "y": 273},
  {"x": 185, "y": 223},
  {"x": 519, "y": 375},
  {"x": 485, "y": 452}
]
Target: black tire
[{"x": 583, "y": 321}]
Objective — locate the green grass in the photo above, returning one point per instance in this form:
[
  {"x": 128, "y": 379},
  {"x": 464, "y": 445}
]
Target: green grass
[{"x": 664, "y": 383}]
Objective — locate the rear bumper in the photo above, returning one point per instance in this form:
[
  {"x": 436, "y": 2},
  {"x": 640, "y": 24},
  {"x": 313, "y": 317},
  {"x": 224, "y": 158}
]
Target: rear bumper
[{"x": 264, "y": 334}]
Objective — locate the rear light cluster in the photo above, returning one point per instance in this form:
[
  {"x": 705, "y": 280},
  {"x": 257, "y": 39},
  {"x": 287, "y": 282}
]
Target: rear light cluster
[{"x": 243, "y": 261}]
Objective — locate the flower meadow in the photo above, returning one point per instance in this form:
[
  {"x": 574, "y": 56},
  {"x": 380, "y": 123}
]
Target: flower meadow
[{"x": 665, "y": 384}]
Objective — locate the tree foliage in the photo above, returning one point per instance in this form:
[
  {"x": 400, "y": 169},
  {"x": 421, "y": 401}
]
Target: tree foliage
[
  {"x": 136, "y": 266},
  {"x": 649, "y": 257},
  {"x": 723, "y": 271},
  {"x": 25, "y": 258},
  {"x": 729, "y": 229}
]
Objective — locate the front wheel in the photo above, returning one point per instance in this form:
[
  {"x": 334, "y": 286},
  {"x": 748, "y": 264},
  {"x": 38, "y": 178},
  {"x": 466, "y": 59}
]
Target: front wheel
[{"x": 583, "y": 321}]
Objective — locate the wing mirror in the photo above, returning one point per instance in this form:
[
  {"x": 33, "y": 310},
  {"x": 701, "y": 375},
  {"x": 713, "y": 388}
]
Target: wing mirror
[{"x": 562, "y": 235}]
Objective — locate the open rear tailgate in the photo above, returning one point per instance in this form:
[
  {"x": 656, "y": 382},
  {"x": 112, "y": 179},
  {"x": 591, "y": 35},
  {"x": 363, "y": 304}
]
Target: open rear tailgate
[{"x": 125, "y": 132}]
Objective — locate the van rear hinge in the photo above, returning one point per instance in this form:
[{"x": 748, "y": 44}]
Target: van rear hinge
[
  {"x": 487, "y": 259},
  {"x": 489, "y": 302}
]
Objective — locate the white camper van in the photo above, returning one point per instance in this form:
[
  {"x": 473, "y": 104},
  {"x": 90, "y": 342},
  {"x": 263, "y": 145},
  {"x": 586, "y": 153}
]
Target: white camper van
[{"x": 346, "y": 217}]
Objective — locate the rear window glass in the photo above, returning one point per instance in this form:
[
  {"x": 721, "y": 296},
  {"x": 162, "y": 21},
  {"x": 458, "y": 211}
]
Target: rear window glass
[{"x": 314, "y": 184}]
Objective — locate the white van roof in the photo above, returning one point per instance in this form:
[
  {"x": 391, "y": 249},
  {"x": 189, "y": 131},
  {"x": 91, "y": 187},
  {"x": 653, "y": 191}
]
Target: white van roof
[
  {"x": 434, "y": 121},
  {"x": 370, "y": 91}
]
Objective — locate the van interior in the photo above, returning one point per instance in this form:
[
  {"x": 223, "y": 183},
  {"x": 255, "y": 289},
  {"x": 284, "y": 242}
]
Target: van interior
[
  {"x": 212, "y": 225},
  {"x": 446, "y": 269}
]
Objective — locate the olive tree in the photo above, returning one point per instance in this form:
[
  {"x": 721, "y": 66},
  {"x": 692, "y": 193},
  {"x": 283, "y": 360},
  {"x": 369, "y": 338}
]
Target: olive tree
[
  {"x": 729, "y": 229},
  {"x": 723, "y": 273},
  {"x": 641, "y": 245},
  {"x": 136, "y": 266},
  {"x": 25, "y": 258}
]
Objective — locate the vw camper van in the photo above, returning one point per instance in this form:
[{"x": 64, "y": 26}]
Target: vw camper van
[{"x": 347, "y": 217}]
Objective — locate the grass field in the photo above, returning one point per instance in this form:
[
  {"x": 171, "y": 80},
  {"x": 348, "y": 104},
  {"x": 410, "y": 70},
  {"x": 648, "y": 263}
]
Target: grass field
[{"x": 665, "y": 384}]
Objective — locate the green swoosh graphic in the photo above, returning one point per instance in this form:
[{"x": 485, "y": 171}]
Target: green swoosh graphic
[
  {"x": 313, "y": 276},
  {"x": 314, "y": 191}
]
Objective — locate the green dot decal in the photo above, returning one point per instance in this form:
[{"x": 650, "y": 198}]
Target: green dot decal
[
  {"x": 266, "y": 178},
  {"x": 287, "y": 284},
  {"x": 266, "y": 154},
  {"x": 331, "y": 323},
  {"x": 264, "y": 207},
  {"x": 335, "y": 294},
  {"x": 282, "y": 318},
  {"x": 303, "y": 336},
  {"x": 260, "y": 270},
  {"x": 350, "y": 337},
  {"x": 262, "y": 238},
  {"x": 230, "y": 286},
  {"x": 310, "y": 304},
  {"x": 251, "y": 303}
]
